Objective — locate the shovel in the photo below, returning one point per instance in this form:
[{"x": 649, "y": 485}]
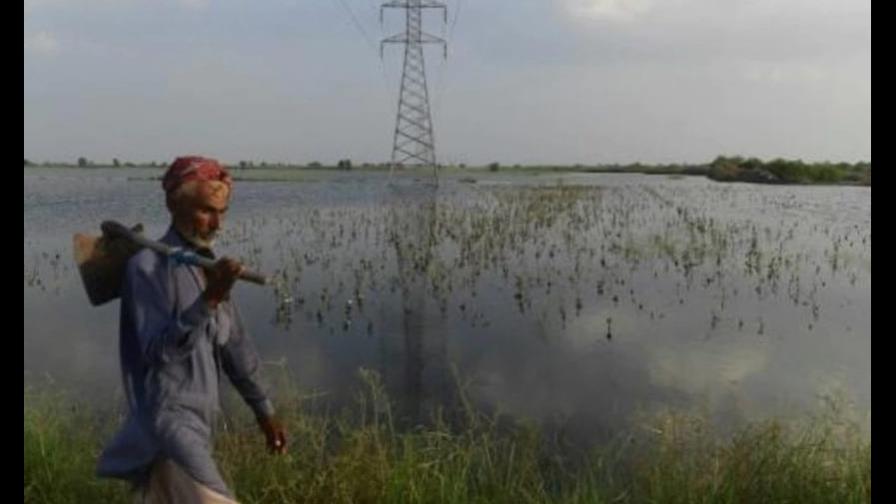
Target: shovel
[{"x": 101, "y": 260}]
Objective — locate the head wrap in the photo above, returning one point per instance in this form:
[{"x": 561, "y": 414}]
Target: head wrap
[{"x": 188, "y": 168}]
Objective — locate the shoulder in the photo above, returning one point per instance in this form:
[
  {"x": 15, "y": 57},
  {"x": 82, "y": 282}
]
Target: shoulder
[
  {"x": 146, "y": 262},
  {"x": 145, "y": 277}
]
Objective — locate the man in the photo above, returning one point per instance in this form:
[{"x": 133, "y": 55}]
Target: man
[{"x": 178, "y": 330}]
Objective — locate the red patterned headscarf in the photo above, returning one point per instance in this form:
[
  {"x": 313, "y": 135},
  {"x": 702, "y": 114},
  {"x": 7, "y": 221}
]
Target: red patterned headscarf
[{"x": 188, "y": 168}]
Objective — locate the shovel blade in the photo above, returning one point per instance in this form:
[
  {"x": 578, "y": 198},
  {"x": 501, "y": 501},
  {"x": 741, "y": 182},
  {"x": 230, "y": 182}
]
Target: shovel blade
[{"x": 101, "y": 262}]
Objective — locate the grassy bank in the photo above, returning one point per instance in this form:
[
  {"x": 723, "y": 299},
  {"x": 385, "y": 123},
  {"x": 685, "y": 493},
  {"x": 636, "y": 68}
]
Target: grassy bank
[
  {"x": 361, "y": 456},
  {"x": 731, "y": 169},
  {"x": 782, "y": 171},
  {"x": 721, "y": 169}
]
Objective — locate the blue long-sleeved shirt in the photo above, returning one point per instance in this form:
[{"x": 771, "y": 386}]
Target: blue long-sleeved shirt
[{"x": 172, "y": 349}]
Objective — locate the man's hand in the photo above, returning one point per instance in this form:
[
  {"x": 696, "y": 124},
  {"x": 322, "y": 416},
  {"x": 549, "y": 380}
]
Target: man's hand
[
  {"x": 274, "y": 433},
  {"x": 220, "y": 279}
]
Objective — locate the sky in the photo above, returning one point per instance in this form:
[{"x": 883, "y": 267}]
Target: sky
[{"x": 525, "y": 81}]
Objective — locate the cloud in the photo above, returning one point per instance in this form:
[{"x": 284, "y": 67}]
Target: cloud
[
  {"x": 697, "y": 369},
  {"x": 582, "y": 80},
  {"x": 194, "y": 4},
  {"x": 780, "y": 73},
  {"x": 64, "y": 6},
  {"x": 611, "y": 10},
  {"x": 42, "y": 43}
]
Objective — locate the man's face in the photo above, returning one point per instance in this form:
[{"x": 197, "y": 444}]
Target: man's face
[{"x": 198, "y": 216}]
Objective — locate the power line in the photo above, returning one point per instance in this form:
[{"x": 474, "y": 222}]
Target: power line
[
  {"x": 440, "y": 80},
  {"x": 454, "y": 22},
  {"x": 357, "y": 24},
  {"x": 360, "y": 28}
]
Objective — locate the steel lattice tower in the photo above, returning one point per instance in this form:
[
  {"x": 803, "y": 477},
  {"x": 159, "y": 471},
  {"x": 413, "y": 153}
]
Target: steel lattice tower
[{"x": 413, "y": 143}]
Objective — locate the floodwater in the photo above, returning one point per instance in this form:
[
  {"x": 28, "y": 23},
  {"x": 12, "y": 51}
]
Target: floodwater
[{"x": 578, "y": 298}]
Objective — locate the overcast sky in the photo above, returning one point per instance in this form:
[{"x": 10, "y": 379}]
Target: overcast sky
[{"x": 526, "y": 81}]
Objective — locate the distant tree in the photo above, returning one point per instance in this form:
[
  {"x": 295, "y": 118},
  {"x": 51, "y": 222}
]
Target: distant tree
[
  {"x": 82, "y": 162},
  {"x": 787, "y": 171},
  {"x": 243, "y": 165},
  {"x": 493, "y": 167},
  {"x": 314, "y": 164},
  {"x": 724, "y": 163},
  {"x": 752, "y": 164},
  {"x": 827, "y": 174},
  {"x": 28, "y": 163},
  {"x": 115, "y": 162}
]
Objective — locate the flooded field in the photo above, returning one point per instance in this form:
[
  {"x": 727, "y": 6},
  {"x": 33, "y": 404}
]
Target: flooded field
[{"x": 574, "y": 299}]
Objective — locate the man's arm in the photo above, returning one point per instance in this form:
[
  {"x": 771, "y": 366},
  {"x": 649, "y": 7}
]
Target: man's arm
[
  {"x": 162, "y": 332},
  {"x": 241, "y": 363}
]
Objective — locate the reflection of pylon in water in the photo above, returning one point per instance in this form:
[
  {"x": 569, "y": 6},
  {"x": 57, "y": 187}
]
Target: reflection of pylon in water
[
  {"x": 413, "y": 143},
  {"x": 412, "y": 233}
]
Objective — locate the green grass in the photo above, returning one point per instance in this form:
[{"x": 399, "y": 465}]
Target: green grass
[
  {"x": 722, "y": 169},
  {"x": 781, "y": 171},
  {"x": 361, "y": 456}
]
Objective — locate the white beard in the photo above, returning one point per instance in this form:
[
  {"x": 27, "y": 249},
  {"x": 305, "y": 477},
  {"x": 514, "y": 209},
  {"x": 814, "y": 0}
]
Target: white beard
[
  {"x": 193, "y": 237},
  {"x": 200, "y": 242}
]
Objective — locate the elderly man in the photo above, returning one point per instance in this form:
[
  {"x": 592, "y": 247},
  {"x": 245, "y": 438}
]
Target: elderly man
[{"x": 179, "y": 329}]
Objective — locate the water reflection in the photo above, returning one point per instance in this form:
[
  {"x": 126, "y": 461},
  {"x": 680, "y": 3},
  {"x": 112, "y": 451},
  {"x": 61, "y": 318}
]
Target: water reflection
[{"x": 735, "y": 297}]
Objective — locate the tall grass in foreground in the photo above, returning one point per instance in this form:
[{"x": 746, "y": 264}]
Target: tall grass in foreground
[{"x": 362, "y": 456}]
